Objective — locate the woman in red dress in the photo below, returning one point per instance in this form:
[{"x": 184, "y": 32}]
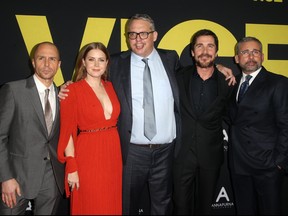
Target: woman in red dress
[{"x": 89, "y": 143}]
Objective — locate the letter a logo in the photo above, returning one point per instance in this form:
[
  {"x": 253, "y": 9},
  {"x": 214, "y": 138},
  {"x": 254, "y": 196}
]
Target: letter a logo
[{"x": 222, "y": 194}]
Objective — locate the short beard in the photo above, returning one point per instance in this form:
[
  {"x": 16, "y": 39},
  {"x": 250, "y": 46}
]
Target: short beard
[{"x": 207, "y": 65}]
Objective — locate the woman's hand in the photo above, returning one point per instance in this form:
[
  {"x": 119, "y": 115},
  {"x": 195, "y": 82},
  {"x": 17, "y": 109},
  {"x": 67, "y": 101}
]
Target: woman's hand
[{"x": 73, "y": 180}]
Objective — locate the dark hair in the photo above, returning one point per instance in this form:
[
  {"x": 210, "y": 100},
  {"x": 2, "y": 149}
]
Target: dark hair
[
  {"x": 204, "y": 32},
  {"x": 80, "y": 70}
]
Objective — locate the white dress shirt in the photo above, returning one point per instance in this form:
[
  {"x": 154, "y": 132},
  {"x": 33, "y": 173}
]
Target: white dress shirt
[
  {"x": 52, "y": 95},
  {"x": 163, "y": 101}
]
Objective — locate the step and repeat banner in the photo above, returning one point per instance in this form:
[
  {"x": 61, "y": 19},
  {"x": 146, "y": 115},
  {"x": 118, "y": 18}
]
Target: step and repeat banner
[{"x": 71, "y": 24}]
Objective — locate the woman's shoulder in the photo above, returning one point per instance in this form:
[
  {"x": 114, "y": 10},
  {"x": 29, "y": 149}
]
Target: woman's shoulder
[
  {"x": 107, "y": 83},
  {"x": 77, "y": 84}
]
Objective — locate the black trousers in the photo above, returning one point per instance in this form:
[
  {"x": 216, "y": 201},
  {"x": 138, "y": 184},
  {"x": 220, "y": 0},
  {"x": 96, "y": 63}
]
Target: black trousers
[
  {"x": 194, "y": 187},
  {"x": 153, "y": 166},
  {"x": 258, "y": 194}
]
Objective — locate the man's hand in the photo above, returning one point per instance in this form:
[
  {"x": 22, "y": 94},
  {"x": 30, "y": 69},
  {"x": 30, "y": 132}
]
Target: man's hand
[
  {"x": 63, "y": 90},
  {"x": 10, "y": 189},
  {"x": 227, "y": 73}
]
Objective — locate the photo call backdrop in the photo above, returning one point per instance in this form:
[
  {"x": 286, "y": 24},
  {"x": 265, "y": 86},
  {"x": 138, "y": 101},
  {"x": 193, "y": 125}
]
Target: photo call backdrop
[{"x": 71, "y": 24}]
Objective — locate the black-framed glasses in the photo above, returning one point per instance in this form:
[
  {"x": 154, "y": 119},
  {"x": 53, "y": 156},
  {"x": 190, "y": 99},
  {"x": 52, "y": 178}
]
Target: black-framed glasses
[
  {"x": 253, "y": 52},
  {"x": 142, "y": 35}
]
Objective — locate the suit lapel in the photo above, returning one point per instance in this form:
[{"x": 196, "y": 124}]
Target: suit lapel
[
  {"x": 35, "y": 101},
  {"x": 126, "y": 77},
  {"x": 255, "y": 85},
  {"x": 184, "y": 86},
  {"x": 170, "y": 70},
  {"x": 249, "y": 97}
]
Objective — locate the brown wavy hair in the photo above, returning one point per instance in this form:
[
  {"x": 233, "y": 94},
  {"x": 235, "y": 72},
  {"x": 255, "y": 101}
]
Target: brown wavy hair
[{"x": 80, "y": 69}]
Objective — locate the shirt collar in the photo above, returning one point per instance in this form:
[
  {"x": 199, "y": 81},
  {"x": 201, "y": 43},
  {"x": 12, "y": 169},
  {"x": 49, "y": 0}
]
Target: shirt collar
[
  {"x": 150, "y": 57},
  {"x": 40, "y": 86},
  {"x": 253, "y": 74}
]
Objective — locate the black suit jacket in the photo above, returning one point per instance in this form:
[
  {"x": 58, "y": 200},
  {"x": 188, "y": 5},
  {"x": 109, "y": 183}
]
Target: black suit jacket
[
  {"x": 24, "y": 140},
  {"x": 259, "y": 125},
  {"x": 204, "y": 133},
  {"x": 120, "y": 76}
]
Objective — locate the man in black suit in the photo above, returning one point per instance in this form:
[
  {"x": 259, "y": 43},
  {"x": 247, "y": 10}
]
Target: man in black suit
[
  {"x": 258, "y": 151},
  {"x": 146, "y": 161},
  {"x": 204, "y": 93},
  {"x": 29, "y": 168}
]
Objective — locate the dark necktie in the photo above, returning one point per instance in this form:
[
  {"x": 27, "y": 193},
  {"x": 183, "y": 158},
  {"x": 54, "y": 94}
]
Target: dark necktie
[
  {"x": 148, "y": 103},
  {"x": 48, "y": 112},
  {"x": 243, "y": 88}
]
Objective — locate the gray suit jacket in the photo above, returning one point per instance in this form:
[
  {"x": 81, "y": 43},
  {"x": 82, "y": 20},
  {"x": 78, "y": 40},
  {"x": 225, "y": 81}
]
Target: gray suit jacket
[{"x": 24, "y": 140}]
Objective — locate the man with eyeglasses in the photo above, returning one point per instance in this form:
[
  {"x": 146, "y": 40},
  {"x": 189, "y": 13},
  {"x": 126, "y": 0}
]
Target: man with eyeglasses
[
  {"x": 142, "y": 35},
  {"x": 147, "y": 160},
  {"x": 258, "y": 150}
]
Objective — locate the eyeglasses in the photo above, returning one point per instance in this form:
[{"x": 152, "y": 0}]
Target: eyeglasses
[
  {"x": 253, "y": 52},
  {"x": 142, "y": 35}
]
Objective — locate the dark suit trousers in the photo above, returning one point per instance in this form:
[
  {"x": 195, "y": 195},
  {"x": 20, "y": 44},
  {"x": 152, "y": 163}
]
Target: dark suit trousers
[
  {"x": 46, "y": 202},
  {"x": 194, "y": 187},
  {"x": 153, "y": 166},
  {"x": 257, "y": 194}
]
